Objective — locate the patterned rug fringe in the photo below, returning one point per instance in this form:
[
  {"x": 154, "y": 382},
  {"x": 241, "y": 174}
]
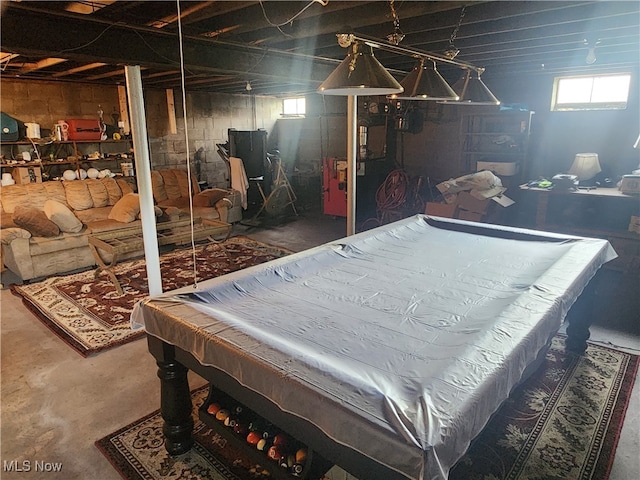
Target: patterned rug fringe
[{"x": 90, "y": 316}]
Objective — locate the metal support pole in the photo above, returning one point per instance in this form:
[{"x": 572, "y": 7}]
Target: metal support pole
[
  {"x": 352, "y": 155},
  {"x": 143, "y": 174}
]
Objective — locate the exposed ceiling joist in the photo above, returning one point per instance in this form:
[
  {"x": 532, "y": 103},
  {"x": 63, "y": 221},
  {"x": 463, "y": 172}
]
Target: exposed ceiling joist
[
  {"x": 42, "y": 64},
  {"x": 289, "y": 47}
]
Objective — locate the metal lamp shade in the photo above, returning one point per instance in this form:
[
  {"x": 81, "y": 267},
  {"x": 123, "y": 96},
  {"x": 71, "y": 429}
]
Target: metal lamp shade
[
  {"x": 473, "y": 91},
  {"x": 360, "y": 74},
  {"x": 425, "y": 83}
]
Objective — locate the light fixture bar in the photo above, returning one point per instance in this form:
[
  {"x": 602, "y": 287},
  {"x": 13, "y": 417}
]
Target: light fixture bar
[{"x": 346, "y": 39}]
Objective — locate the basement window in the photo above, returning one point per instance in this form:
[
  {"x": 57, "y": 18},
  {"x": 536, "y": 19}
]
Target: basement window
[
  {"x": 593, "y": 92},
  {"x": 294, "y": 107}
]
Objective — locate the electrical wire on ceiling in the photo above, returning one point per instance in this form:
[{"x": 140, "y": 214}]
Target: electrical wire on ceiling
[
  {"x": 279, "y": 26},
  {"x": 122, "y": 24}
]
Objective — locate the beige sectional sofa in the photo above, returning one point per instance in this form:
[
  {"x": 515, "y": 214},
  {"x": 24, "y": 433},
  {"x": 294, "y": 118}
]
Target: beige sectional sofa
[{"x": 45, "y": 226}]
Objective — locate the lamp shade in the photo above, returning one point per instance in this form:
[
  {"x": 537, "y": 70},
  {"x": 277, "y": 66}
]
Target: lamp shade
[
  {"x": 425, "y": 83},
  {"x": 473, "y": 91},
  {"x": 585, "y": 166},
  {"x": 360, "y": 74}
]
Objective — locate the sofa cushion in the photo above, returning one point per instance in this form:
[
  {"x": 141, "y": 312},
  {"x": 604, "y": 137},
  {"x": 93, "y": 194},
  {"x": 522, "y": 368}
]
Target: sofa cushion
[
  {"x": 205, "y": 212},
  {"x": 125, "y": 185},
  {"x": 107, "y": 225},
  {"x": 182, "y": 202},
  {"x": 60, "y": 214},
  {"x": 171, "y": 183},
  {"x": 55, "y": 191},
  {"x": 157, "y": 185},
  {"x": 29, "y": 195},
  {"x": 127, "y": 208},
  {"x": 70, "y": 243},
  {"x": 35, "y": 222},
  {"x": 183, "y": 183},
  {"x": 78, "y": 196},
  {"x": 93, "y": 214},
  {"x": 113, "y": 190},
  {"x": 98, "y": 192},
  {"x": 208, "y": 198}
]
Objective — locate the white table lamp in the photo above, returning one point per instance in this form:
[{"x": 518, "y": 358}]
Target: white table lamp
[{"x": 585, "y": 166}]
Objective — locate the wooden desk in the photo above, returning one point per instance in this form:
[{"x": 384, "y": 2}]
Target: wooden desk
[
  {"x": 600, "y": 212},
  {"x": 125, "y": 240},
  {"x": 544, "y": 195}
]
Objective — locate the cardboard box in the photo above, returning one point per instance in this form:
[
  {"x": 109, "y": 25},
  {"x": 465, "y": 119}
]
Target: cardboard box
[
  {"x": 470, "y": 216},
  {"x": 24, "y": 175},
  {"x": 471, "y": 204},
  {"x": 441, "y": 209},
  {"x": 505, "y": 169}
]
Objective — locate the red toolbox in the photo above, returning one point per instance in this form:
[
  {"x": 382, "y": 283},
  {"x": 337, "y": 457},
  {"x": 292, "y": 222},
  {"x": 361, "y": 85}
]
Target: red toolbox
[{"x": 83, "y": 129}]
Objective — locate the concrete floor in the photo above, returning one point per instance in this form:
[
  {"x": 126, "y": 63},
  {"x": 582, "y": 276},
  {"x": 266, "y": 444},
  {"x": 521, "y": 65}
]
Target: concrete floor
[{"x": 55, "y": 403}]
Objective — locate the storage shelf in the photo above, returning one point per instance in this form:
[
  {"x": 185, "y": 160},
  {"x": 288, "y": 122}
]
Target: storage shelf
[
  {"x": 54, "y": 148},
  {"x": 315, "y": 466},
  {"x": 38, "y": 141},
  {"x": 477, "y": 130}
]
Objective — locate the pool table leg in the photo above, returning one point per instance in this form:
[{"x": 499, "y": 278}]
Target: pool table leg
[
  {"x": 580, "y": 318},
  {"x": 175, "y": 398}
]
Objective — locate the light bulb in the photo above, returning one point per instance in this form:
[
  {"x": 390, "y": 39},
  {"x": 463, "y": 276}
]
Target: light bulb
[{"x": 591, "y": 56}]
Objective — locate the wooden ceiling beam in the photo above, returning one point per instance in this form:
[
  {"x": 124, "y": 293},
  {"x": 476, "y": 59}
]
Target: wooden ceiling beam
[
  {"x": 124, "y": 44},
  {"x": 42, "y": 64},
  {"x": 112, "y": 73},
  {"x": 170, "y": 19},
  {"x": 80, "y": 69}
]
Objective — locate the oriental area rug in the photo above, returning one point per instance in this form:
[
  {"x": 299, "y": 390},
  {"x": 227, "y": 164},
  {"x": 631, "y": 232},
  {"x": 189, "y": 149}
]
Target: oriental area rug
[
  {"x": 563, "y": 422},
  {"x": 90, "y": 316}
]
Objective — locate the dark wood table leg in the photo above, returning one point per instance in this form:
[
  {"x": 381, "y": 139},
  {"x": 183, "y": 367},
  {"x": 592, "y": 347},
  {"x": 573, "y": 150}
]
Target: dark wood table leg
[
  {"x": 175, "y": 398},
  {"x": 580, "y": 318}
]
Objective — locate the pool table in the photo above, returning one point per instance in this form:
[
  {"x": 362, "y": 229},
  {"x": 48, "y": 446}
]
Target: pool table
[{"x": 386, "y": 352}]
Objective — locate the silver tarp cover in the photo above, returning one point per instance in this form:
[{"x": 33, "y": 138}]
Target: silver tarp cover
[{"x": 400, "y": 342}]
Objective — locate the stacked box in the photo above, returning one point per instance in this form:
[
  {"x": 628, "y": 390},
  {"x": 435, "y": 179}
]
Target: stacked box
[{"x": 24, "y": 175}]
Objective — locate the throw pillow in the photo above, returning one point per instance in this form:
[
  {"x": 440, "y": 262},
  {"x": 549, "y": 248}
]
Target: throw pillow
[
  {"x": 62, "y": 216},
  {"x": 35, "y": 222},
  {"x": 126, "y": 210},
  {"x": 208, "y": 198}
]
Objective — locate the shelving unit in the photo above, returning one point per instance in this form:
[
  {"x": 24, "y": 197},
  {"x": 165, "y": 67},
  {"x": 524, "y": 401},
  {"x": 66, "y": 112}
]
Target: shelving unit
[
  {"x": 313, "y": 467},
  {"x": 65, "y": 153},
  {"x": 500, "y": 140}
]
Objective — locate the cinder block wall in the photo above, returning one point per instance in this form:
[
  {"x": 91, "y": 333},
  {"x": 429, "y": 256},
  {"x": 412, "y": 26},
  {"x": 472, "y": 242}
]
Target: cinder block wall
[
  {"x": 209, "y": 116},
  {"x": 47, "y": 102}
]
